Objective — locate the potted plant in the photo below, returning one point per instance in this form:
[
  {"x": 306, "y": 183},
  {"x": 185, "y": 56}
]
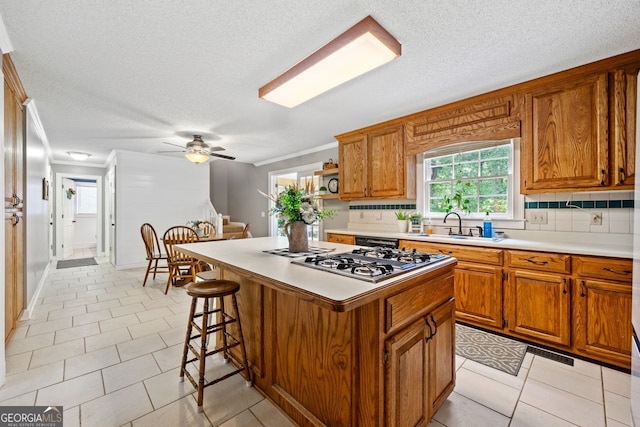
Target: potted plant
[
  {"x": 457, "y": 202},
  {"x": 402, "y": 217},
  {"x": 322, "y": 190},
  {"x": 296, "y": 208}
]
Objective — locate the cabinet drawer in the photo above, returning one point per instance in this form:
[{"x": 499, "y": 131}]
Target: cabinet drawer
[
  {"x": 346, "y": 239},
  {"x": 603, "y": 268},
  {"x": 462, "y": 253},
  {"x": 541, "y": 261},
  {"x": 406, "y": 306}
]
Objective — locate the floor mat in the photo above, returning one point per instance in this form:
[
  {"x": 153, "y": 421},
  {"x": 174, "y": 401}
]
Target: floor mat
[
  {"x": 81, "y": 262},
  {"x": 491, "y": 350}
]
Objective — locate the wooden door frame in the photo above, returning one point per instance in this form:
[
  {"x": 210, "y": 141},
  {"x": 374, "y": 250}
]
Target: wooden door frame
[{"x": 99, "y": 215}]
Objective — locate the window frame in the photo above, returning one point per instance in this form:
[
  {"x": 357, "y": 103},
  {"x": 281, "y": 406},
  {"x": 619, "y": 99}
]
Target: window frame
[
  {"x": 515, "y": 201},
  {"x": 78, "y": 186}
]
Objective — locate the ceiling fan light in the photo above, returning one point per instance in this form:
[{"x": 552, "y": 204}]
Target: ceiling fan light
[
  {"x": 363, "y": 47},
  {"x": 196, "y": 157},
  {"x": 78, "y": 155}
]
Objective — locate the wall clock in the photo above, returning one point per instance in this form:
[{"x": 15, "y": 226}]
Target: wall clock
[{"x": 333, "y": 185}]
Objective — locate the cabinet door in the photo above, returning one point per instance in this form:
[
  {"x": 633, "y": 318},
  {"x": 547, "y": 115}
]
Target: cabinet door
[
  {"x": 386, "y": 163},
  {"x": 565, "y": 141},
  {"x": 478, "y": 291},
  {"x": 441, "y": 353},
  {"x": 603, "y": 320},
  {"x": 353, "y": 171},
  {"x": 347, "y": 239},
  {"x": 540, "y": 306},
  {"x": 623, "y": 129},
  {"x": 406, "y": 399}
]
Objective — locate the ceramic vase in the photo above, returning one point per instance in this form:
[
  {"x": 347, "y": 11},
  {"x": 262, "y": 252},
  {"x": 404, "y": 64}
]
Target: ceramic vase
[
  {"x": 296, "y": 232},
  {"x": 402, "y": 225}
]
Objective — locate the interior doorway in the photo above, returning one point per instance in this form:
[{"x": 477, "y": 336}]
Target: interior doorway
[
  {"x": 280, "y": 180},
  {"x": 79, "y": 216}
]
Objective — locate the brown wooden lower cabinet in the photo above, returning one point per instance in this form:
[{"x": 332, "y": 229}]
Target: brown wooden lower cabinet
[
  {"x": 478, "y": 290},
  {"x": 602, "y": 329},
  {"x": 575, "y": 303},
  {"x": 388, "y": 362},
  {"x": 347, "y": 239},
  {"x": 420, "y": 368},
  {"x": 540, "y": 306}
]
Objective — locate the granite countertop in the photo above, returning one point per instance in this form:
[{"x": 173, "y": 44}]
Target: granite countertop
[
  {"x": 606, "y": 247},
  {"x": 248, "y": 256}
]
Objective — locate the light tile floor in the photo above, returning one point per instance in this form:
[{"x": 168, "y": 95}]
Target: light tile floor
[
  {"x": 83, "y": 253},
  {"x": 109, "y": 351}
]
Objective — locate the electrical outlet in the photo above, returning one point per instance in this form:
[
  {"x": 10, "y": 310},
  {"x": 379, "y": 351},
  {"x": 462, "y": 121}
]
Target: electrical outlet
[
  {"x": 538, "y": 217},
  {"x": 595, "y": 218}
]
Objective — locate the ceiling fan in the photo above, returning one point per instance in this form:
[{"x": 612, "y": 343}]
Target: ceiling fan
[{"x": 197, "y": 151}]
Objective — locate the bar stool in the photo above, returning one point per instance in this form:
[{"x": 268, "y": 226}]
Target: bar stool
[{"x": 217, "y": 290}]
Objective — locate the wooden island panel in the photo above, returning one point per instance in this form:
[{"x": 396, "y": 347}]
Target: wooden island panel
[{"x": 327, "y": 367}]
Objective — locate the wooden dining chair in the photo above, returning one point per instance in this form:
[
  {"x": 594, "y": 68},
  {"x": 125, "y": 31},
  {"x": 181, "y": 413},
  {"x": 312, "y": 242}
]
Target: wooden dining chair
[
  {"x": 208, "y": 229},
  {"x": 157, "y": 260},
  {"x": 182, "y": 267},
  {"x": 245, "y": 231}
]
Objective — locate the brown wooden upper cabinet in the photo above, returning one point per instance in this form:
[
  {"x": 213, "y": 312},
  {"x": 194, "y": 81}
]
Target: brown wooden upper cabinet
[
  {"x": 623, "y": 129},
  {"x": 565, "y": 136},
  {"x": 374, "y": 165}
]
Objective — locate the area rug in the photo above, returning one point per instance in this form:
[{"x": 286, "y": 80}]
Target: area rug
[
  {"x": 80, "y": 262},
  {"x": 488, "y": 349}
]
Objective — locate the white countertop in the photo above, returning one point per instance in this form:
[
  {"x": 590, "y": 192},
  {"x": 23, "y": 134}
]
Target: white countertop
[
  {"x": 551, "y": 244},
  {"x": 248, "y": 255}
]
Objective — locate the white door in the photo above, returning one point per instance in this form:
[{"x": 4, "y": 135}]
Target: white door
[{"x": 68, "y": 218}]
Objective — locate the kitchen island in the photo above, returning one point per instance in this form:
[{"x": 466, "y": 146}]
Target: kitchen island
[{"x": 332, "y": 350}]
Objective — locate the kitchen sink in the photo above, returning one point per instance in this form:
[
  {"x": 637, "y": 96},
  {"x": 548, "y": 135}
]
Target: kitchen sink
[{"x": 457, "y": 237}]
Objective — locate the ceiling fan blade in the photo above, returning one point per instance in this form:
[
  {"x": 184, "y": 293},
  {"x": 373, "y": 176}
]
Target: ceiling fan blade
[
  {"x": 175, "y": 145},
  {"x": 222, "y": 156},
  {"x": 216, "y": 149}
]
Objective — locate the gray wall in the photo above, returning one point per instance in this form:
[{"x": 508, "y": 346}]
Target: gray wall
[
  {"x": 241, "y": 181},
  {"x": 77, "y": 170},
  {"x": 36, "y": 209}
]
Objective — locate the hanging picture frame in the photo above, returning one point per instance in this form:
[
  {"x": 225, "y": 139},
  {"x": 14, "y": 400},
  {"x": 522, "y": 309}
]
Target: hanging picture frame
[{"x": 45, "y": 189}]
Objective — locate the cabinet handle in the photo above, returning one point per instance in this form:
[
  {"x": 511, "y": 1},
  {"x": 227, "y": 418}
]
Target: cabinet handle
[
  {"x": 15, "y": 219},
  {"x": 370, "y": 192},
  {"x": 533, "y": 261},
  {"x": 426, "y": 320},
  {"x": 582, "y": 288},
  {"x": 364, "y": 191},
  {"x": 622, "y": 176},
  {"x": 442, "y": 251},
  {"x": 564, "y": 286},
  {"x": 613, "y": 270},
  {"x": 604, "y": 176},
  {"x": 435, "y": 325},
  {"x": 16, "y": 200}
]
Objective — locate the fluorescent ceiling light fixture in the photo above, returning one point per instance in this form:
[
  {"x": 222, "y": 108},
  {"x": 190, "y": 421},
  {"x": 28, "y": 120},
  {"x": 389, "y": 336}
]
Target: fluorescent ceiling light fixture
[
  {"x": 360, "y": 49},
  {"x": 78, "y": 155}
]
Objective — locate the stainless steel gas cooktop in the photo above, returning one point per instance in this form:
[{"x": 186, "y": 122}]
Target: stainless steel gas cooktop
[{"x": 371, "y": 264}]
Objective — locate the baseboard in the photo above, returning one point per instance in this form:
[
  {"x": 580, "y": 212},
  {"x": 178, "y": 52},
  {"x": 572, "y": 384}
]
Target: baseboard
[{"x": 26, "y": 313}]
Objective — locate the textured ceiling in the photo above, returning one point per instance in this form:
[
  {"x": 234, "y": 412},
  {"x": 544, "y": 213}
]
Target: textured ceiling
[{"x": 122, "y": 74}]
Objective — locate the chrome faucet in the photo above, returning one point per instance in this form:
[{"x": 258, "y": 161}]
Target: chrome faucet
[{"x": 444, "y": 221}]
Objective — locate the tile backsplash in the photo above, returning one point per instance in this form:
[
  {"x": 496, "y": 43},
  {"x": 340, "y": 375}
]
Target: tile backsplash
[
  {"x": 574, "y": 212},
  {"x": 614, "y": 208}
]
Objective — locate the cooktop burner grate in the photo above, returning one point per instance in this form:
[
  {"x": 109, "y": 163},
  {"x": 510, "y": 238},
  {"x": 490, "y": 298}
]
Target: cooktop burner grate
[{"x": 370, "y": 264}]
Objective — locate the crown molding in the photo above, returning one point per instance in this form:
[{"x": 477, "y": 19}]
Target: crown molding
[
  {"x": 323, "y": 147},
  {"x": 72, "y": 163},
  {"x": 32, "y": 110}
]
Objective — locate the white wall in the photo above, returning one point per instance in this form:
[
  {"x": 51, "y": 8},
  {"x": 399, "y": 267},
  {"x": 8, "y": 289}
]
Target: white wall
[
  {"x": 36, "y": 209},
  {"x": 160, "y": 190}
]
